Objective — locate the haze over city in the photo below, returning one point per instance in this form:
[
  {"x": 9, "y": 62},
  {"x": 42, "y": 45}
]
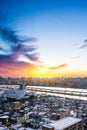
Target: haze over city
[{"x": 43, "y": 38}]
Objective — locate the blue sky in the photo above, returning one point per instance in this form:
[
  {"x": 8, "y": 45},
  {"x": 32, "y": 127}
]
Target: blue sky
[{"x": 59, "y": 26}]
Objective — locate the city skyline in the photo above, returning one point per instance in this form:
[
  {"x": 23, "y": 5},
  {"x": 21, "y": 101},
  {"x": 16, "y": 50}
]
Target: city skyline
[{"x": 43, "y": 38}]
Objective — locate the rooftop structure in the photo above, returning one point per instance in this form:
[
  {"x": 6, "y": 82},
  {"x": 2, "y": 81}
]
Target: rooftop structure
[
  {"x": 68, "y": 123},
  {"x": 13, "y": 92}
]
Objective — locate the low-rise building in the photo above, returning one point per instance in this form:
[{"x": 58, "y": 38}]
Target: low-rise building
[{"x": 67, "y": 123}]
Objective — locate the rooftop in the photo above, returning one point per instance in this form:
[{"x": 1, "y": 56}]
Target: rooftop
[{"x": 64, "y": 123}]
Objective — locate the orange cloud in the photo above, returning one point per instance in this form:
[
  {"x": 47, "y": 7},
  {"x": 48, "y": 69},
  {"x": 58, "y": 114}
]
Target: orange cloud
[
  {"x": 57, "y": 67},
  {"x": 22, "y": 69}
]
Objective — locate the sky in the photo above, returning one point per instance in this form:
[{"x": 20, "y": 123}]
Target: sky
[{"x": 43, "y": 38}]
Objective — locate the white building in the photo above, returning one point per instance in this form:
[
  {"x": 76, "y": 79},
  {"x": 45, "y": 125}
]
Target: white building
[{"x": 67, "y": 123}]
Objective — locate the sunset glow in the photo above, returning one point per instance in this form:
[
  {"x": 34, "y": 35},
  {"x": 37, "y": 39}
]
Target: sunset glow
[{"x": 43, "y": 38}]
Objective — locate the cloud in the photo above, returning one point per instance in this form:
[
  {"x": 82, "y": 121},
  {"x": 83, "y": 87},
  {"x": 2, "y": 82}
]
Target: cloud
[
  {"x": 16, "y": 69},
  {"x": 75, "y": 57},
  {"x": 16, "y": 51},
  {"x": 57, "y": 67},
  {"x": 15, "y": 45},
  {"x": 84, "y": 45},
  {"x": 85, "y": 41}
]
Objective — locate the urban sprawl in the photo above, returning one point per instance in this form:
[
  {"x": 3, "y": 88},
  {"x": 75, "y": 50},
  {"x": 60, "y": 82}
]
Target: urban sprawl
[{"x": 22, "y": 108}]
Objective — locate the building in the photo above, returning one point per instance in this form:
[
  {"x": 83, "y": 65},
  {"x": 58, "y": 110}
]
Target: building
[
  {"x": 12, "y": 91},
  {"x": 67, "y": 123}
]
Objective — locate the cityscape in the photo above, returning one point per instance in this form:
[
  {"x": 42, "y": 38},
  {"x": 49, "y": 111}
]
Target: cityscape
[
  {"x": 26, "y": 106},
  {"x": 43, "y": 66}
]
